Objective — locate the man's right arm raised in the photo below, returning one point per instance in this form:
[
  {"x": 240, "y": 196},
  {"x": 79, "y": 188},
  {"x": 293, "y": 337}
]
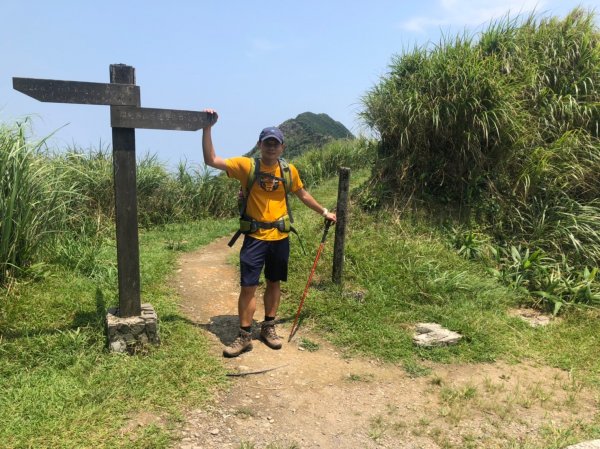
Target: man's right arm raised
[{"x": 208, "y": 149}]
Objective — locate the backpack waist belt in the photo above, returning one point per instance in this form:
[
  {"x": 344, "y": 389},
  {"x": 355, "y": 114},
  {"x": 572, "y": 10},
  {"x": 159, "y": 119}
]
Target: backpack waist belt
[{"x": 250, "y": 226}]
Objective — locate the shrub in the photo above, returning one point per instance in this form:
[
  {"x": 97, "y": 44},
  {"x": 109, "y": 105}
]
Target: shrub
[
  {"x": 502, "y": 129},
  {"x": 319, "y": 164}
]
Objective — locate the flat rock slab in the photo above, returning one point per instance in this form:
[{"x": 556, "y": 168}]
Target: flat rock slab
[
  {"x": 432, "y": 334},
  {"x": 595, "y": 444}
]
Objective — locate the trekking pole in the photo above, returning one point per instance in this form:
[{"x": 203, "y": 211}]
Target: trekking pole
[{"x": 294, "y": 328}]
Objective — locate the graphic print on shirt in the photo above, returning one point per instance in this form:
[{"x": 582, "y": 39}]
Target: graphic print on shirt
[{"x": 268, "y": 183}]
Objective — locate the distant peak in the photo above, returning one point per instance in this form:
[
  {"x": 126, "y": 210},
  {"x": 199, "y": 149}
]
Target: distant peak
[{"x": 309, "y": 131}]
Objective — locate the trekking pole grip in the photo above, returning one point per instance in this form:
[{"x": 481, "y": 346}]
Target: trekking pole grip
[{"x": 328, "y": 224}]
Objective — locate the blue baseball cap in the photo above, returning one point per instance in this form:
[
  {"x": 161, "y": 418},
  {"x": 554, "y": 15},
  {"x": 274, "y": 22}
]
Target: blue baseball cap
[{"x": 271, "y": 132}]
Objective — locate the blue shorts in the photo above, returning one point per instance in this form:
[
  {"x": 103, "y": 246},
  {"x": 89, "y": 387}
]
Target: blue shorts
[{"x": 256, "y": 254}]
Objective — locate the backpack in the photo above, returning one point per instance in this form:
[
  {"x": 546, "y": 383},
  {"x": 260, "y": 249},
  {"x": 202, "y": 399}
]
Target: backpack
[{"x": 249, "y": 225}]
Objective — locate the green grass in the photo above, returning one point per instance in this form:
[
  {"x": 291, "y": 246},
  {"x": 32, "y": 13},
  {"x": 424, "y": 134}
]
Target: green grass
[
  {"x": 53, "y": 202},
  {"x": 309, "y": 345},
  {"x": 61, "y": 388},
  {"x": 410, "y": 281},
  {"x": 410, "y": 275},
  {"x": 500, "y": 129},
  {"x": 32, "y": 202}
]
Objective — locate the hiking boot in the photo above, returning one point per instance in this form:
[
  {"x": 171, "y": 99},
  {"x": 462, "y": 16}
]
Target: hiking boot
[
  {"x": 241, "y": 344},
  {"x": 269, "y": 336}
]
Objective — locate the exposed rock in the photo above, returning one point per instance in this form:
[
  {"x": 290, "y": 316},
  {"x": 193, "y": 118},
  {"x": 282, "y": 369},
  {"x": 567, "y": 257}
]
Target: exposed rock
[{"x": 432, "y": 334}]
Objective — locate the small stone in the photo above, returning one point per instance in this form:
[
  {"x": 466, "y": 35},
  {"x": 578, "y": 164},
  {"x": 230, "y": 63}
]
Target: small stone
[
  {"x": 214, "y": 432},
  {"x": 118, "y": 346},
  {"x": 432, "y": 334}
]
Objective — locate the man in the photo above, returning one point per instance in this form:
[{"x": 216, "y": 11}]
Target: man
[{"x": 267, "y": 247}]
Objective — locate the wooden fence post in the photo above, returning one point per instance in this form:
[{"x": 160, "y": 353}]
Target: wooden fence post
[{"x": 340, "y": 227}]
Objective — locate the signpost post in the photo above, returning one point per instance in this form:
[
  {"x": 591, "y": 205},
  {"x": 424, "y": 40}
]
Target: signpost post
[
  {"x": 126, "y": 114},
  {"x": 124, "y": 175}
]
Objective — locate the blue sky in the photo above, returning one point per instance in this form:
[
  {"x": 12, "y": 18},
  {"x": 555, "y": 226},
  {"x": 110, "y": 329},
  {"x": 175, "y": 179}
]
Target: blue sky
[{"x": 257, "y": 63}]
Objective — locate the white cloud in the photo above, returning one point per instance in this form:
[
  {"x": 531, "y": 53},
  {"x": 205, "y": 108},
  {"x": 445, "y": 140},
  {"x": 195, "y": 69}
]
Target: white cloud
[{"x": 470, "y": 13}]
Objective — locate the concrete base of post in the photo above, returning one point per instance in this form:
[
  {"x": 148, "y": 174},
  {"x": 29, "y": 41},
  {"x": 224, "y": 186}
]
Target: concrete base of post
[{"x": 131, "y": 334}]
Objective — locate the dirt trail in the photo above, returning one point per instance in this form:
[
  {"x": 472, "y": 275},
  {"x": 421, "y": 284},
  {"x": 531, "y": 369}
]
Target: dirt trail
[{"x": 321, "y": 400}]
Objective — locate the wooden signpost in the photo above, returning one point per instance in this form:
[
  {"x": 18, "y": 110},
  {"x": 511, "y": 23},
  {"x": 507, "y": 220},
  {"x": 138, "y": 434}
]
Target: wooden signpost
[
  {"x": 126, "y": 114},
  {"x": 57, "y": 91}
]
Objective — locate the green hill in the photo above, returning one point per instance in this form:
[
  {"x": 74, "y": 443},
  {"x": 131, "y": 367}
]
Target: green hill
[{"x": 308, "y": 131}]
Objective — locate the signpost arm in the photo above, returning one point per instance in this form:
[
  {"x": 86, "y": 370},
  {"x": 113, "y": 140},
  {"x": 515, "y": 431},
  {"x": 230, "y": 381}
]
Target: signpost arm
[{"x": 128, "y": 255}]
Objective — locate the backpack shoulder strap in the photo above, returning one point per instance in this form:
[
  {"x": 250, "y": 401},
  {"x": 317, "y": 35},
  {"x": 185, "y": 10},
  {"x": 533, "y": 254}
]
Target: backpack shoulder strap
[
  {"x": 253, "y": 174},
  {"x": 286, "y": 174}
]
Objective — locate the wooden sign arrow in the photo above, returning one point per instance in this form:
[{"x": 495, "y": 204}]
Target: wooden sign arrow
[
  {"x": 58, "y": 91},
  {"x": 150, "y": 118},
  {"x": 126, "y": 115}
]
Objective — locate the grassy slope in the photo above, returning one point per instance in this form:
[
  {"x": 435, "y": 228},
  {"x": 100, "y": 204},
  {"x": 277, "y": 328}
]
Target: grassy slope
[
  {"x": 60, "y": 387},
  {"x": 409, "y": 275},
  {"x": 59, "y": 381}
]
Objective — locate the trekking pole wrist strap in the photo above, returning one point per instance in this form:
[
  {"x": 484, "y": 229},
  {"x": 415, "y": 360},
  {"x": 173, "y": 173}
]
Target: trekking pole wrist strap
[{"x": 325, "y": 212}]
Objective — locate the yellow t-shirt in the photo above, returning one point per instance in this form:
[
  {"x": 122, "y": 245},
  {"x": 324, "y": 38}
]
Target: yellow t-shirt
[{"x": 264, "y": 203}]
